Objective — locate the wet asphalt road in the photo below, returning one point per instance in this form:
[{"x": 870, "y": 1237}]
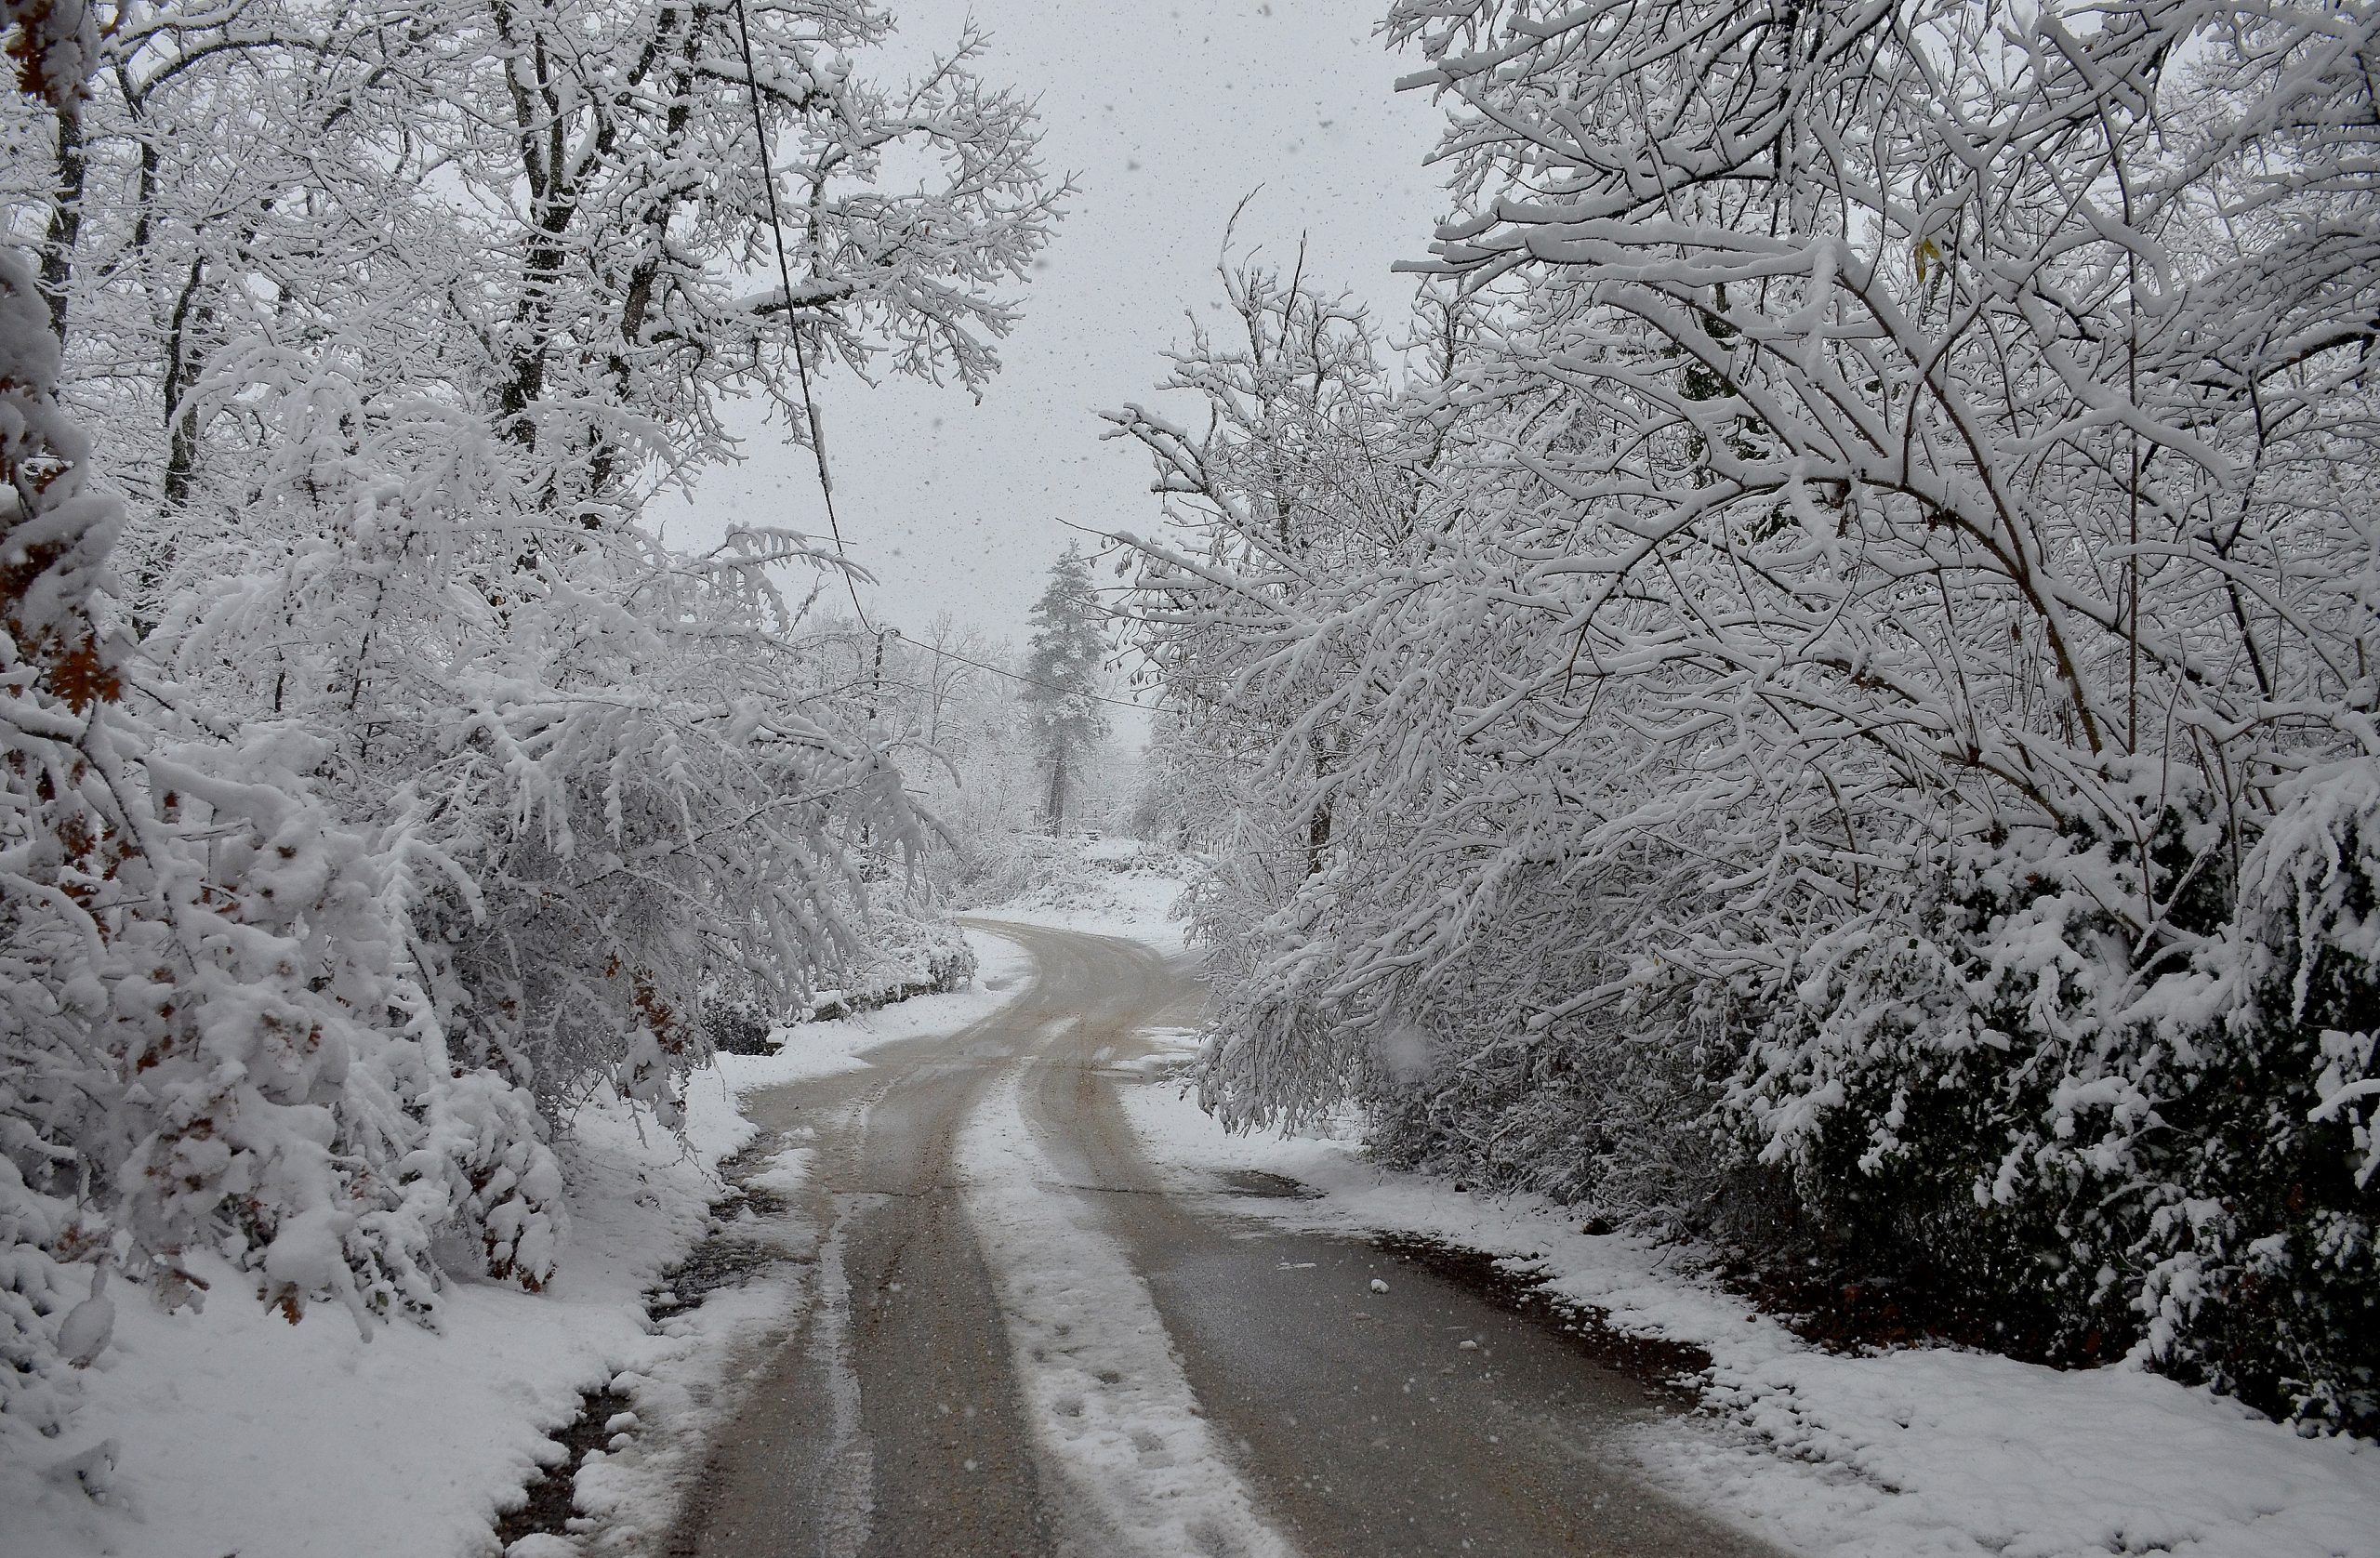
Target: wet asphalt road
[{"x": 888, "y": 1423}]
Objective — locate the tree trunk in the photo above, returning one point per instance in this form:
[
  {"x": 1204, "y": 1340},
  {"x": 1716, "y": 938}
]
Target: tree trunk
[{"x": 65, "y": 217}]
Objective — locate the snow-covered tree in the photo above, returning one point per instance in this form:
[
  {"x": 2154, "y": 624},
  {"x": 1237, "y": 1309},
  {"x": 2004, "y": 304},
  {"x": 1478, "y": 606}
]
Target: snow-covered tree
[
  {"x": 408, "y": 793},
  {"x": 1881, "y": 683},
  {"x": 58, "y": 837},
  {"x": 1064, "y": 721}
]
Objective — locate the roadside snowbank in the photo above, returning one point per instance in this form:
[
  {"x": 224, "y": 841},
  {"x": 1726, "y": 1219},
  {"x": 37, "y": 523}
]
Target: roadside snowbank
[
  {"x": 231, "y": 1431},
  {"x": 1909, "y": 1454},
  {"x": 235, "y": 1432},
  {"x": 809, "y": 1050},
  {"x": 1105, "y": 887}
]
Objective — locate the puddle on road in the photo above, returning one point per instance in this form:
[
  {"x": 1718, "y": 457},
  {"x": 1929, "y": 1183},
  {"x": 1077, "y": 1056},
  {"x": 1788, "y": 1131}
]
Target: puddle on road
[
  {"x": 1264, "y": 1187},
  {"x": 1670, "y": 1371}
]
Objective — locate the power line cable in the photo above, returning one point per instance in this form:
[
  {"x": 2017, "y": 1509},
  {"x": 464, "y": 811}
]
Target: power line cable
[
  {"x": 800, "y": 348},
  {"x": 1019, "y": 676},
  {"x": 809, "y": 397}
]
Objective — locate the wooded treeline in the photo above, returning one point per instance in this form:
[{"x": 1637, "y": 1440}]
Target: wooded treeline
[
  {"x": 1831, "y": 701},
  {"x": 375, "y": 789}
]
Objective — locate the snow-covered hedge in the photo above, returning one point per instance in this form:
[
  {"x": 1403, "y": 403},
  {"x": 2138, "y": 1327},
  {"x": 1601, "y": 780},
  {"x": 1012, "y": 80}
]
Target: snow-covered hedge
[
  {"x": 905, "y": 955},
  {"x": 2109, "y": 1140}
]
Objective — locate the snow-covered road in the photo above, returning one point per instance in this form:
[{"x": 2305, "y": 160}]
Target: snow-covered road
[{"x": 1031, "y": 1342}]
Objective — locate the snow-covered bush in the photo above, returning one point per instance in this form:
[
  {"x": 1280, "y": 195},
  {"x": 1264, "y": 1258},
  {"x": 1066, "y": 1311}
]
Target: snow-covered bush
[
  {"x": 1080, "y": 873},
  {"x": 2107, "y": 1142},
  {"x": 906, "y": 957},
  {"x": 61, "y": 841},
  {"x": 2263, "y": 1245}
]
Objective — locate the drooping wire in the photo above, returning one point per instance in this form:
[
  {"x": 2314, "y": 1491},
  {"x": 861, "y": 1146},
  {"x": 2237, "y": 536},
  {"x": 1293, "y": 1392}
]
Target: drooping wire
[
  {"x": 1019, "y": 676},
  {"x": 793, "y": 325},
  {"x": 809, "y": 397}
]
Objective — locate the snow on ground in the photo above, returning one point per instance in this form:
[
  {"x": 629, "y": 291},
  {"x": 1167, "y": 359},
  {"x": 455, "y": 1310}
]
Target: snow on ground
[
  {"x": 1908, "y": 1454},
  {"x": 232, "y": 1432},
  {"x": 1105, "y": 887},
  {"x": 815, "y": 1049},
  {"x": 235, "y": 1432},
  {"x": 1108, "y": 1399}
]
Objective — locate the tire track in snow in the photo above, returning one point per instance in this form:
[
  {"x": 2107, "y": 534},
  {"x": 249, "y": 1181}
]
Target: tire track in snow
[{"x": 1103, "y": 1386}]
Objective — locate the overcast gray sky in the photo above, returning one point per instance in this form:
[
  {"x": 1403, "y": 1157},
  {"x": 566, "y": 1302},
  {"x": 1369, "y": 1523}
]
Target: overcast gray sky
[{"x": 1167, "y": 114}]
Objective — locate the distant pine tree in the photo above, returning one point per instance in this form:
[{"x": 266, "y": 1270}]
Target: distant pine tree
[{"x": 1062, "y": 708}]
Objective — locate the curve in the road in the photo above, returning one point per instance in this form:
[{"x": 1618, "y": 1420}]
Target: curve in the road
[{"x": 1264, "y": 1398}]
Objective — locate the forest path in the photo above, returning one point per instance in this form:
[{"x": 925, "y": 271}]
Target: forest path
[{"x": 1029, "y": 1341}]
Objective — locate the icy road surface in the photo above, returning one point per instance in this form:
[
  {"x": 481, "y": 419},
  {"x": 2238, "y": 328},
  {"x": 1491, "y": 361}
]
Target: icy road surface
[{"x": 1031, "y": 1344}]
